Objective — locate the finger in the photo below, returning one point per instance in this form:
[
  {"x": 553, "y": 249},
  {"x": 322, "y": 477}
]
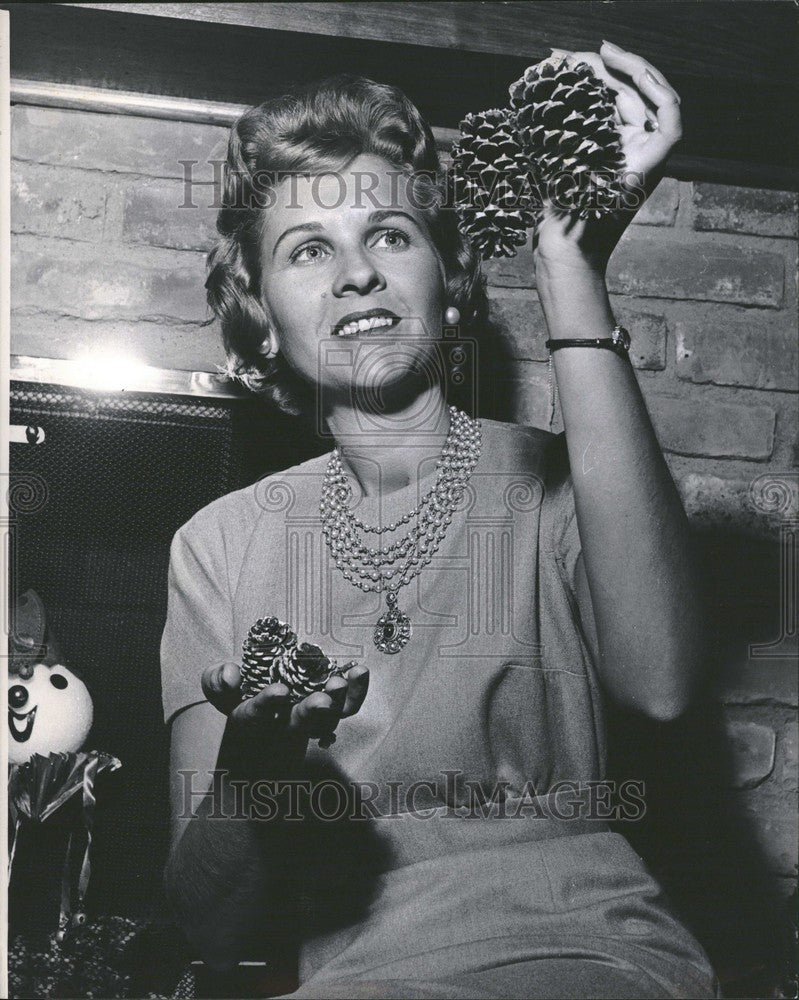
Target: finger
[
  {"x": 272, "y": 700},
  {"x": 336, "y": 688},
  {"x": 630, "y": 107},
  {"x": 221, "y": 685},
  {"x": 315, "y": 715},
  {"x": 270, "y": 707},
  {"x": 632, "y": 111},
  {"x": 357, "y": 686},
  {"x": 634, "y": 66},
  {"x": 667, "y": 111}
]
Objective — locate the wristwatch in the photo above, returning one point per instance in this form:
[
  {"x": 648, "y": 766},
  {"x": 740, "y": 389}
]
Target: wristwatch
[{"x": 618, "y": 342}]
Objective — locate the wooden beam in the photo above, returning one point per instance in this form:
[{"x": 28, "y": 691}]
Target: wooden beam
[
  {"x": 100, "y": 100},
  {"x": 746, "y": 39}
]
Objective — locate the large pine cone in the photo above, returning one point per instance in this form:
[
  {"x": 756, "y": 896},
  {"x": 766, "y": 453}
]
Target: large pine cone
[
  {"x": 271, "y": 655},
  {"x": 492, "y": 187},
  {"x": 566, "y": 121}
]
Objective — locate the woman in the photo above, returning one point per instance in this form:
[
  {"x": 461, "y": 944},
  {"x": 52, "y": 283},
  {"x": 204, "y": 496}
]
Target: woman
[{"x": 493, "y": 583}]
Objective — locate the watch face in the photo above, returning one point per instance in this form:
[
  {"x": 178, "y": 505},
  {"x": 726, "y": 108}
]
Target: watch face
[{"x": 621, "y": 338}]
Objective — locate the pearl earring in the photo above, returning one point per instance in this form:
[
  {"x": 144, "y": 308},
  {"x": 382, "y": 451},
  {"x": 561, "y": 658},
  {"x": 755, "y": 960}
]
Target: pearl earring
[
  {"x": 267, "y": 348},
  {"x": 452, "y": 317}
]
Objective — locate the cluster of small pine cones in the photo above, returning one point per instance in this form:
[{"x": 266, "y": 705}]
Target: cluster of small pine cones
[
  {"x": 271, "y": 654},
  {"x": 558, "y": 139}
]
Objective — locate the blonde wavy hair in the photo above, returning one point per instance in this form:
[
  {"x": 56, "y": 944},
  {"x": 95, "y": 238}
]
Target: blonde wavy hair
[{"x": 312, "y": 129}]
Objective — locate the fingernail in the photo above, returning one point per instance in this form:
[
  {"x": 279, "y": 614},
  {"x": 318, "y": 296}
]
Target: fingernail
[
  {"x": 649, "y": 76},
  {"x": 611, "y": 46}
]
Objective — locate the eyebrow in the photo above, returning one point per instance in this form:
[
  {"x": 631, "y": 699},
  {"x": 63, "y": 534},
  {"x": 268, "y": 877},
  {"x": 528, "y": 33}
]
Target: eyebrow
[{"x": 317, "y": 227}]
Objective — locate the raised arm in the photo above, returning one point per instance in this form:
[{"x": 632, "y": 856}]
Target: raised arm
[{"x": 636, "y": 552}]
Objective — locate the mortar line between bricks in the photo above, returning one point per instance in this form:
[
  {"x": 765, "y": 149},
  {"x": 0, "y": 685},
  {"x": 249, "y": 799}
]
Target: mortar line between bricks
[
  {"x": 163, "y": 246},
  {"x": 738, "y": 385},
  {"x": 761, "y": 703},
  {"x": 780, "y": 307},
  {"x": 63, "y": 239},
  {"x": 684, "y": 217},
  {"x": 32, "y": 312},
  {"x": 41, "y": 242},
  {"x": 711, "y": 470},
  {"x": 636, "y": 296},
  {"x": 103, "y": 171},
  {"x": 109, "y": 172}
]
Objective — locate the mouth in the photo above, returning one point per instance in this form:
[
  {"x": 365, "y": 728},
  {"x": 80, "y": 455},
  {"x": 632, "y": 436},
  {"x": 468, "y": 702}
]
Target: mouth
[
  {"x": 20, "y": 724},
  {"x": 360, "y": 323}
]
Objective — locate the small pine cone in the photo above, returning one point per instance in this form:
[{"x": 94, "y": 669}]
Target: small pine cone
[
  {"x": 306, "y": 670},
  {"x": 567, "y": 124},
  {"x": 491, "y": 185},
  {"x": 269, "y": 643}
]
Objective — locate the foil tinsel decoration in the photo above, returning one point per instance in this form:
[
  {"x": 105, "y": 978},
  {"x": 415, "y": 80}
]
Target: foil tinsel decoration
[{"x": 39, "y": 787}]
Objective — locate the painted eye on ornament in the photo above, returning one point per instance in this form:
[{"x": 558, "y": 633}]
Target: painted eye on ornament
[
  {"x": 17, "y": 696},
  {"x": 59, "y": 681}
]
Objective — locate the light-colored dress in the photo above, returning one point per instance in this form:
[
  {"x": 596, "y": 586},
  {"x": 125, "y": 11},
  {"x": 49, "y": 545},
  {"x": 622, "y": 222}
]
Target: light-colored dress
[{"x": 433, "y": 889}]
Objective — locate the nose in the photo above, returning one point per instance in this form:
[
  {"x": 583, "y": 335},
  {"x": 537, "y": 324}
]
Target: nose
[
  {"x": 17, "y": 696},
  {"x": 357, "y": 273}
]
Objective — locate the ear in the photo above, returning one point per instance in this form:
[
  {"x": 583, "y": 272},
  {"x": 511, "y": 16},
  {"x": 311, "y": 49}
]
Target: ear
[{"x": 270, "y": 345}]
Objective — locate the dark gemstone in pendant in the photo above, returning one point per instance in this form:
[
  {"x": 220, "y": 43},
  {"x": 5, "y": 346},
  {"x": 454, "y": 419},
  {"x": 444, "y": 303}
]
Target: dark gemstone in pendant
[{"x": 389, "y": 631}]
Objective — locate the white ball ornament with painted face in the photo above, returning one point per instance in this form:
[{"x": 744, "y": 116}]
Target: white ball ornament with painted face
[{"x": 49, "y": 712}]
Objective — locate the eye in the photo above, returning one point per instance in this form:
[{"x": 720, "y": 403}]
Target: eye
[
  {"x": 17, "y": 696},
  {"x": 309, "y": 253},
  {"x": 392, "y": 239},
  {"x": 59, "y": 681}
]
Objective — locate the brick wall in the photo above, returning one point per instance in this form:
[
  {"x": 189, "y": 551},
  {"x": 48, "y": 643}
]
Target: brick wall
[{"x": 706, "y": 281}]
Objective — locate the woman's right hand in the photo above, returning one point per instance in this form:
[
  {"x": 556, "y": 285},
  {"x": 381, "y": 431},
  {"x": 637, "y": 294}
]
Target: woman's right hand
[{"x": 270, "y": 711}]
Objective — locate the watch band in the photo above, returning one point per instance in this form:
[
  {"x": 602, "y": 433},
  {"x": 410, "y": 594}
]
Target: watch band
[{"x": 618, "y": 342}]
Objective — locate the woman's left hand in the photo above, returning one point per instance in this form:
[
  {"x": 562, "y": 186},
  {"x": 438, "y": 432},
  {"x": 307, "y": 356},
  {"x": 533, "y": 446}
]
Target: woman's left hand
[{"x": 564, "y": 241}]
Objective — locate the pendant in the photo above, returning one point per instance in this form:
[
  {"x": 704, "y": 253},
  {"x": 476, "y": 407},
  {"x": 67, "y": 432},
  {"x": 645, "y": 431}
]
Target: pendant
[{"x": 393, "y": 629}]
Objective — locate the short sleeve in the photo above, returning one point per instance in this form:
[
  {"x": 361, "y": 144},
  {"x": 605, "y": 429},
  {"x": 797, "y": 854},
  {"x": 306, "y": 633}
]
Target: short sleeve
[
  {"x": 562, "y": 514},
  {"x": 567, "y": 540},
  {"x": 568, "y": 624},
  {"x": 199, "y": 628}
]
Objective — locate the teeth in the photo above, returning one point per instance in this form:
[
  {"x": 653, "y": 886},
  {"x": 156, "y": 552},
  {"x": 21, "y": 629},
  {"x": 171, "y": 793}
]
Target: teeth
[{"x": 364, "y": 325}]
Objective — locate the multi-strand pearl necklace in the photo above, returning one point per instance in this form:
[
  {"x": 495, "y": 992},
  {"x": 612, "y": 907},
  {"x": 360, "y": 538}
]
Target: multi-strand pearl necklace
[{"x": 395, "y": 565}]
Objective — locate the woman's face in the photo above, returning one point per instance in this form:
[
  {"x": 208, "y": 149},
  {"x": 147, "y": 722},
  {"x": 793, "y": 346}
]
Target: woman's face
[{"x": 351, "y": 281}]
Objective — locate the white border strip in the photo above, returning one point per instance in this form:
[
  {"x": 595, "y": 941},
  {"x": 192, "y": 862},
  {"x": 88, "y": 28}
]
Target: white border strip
[{"x": 5, "y": 459}]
